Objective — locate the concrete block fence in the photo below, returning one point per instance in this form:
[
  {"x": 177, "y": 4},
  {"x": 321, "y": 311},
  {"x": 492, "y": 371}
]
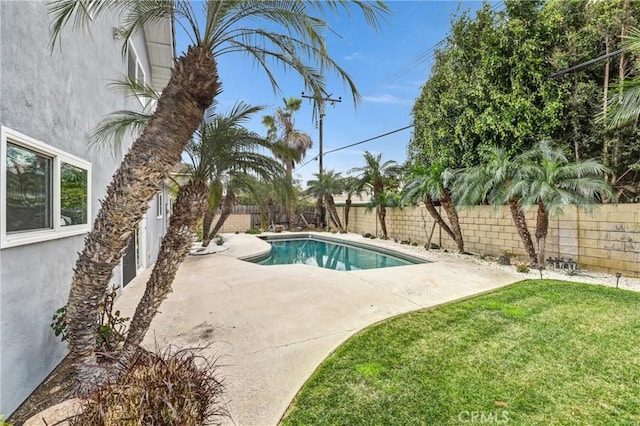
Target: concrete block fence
[{"x": 606, "y": 240}]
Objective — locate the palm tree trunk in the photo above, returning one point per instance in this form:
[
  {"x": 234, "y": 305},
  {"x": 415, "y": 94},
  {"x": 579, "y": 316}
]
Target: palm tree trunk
[
  {"x": 271, "y": 212},
  {"x": 431, "y": 208},
  {"x": 452, "y": 214},
  {"x": 180, "y": 109},
  {"x": 293, "y": 217},
  {"x": 333, "y": 212},
  {"x": 318, "y": 214},
  {"x": 347, "y": 207},
  {"x": 605, "y": 96},
  {"x": 521, "y": 225},
  {"x": 542, "y": 227},
  {"x": 227, "y": 209},
  {"x": 206, "y": 226},
  {"x": 190, "y": 206},
  {"x": 382, "y": 214}
]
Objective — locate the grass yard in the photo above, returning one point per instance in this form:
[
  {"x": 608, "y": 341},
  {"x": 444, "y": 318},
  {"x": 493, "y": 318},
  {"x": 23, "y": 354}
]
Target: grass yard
[{"x": 538, "y": 352}]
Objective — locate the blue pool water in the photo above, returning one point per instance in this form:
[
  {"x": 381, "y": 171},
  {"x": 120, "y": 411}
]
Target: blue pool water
[{"x": 329, "y": 255}]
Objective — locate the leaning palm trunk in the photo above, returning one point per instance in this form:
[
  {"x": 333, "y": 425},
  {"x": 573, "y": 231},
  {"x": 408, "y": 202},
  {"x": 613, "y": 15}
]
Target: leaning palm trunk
[
  {"x": 207, "y": 221},
  {"x": 319, "y": 216},
  {"x": 179, "y": 112},
  {"x": 452, "y": 214},
  {"x": 542, "y": 226},
  {"x": 521, "y": 225},
  {"x": 333, "y": 212},
  {"x": 227, "y": 209},
  {"x": 189, "y": 208},
  {"x": 347, "y": 207},
  {"x": 431, "y": 208},
  {"x": 382, "y": 214}
]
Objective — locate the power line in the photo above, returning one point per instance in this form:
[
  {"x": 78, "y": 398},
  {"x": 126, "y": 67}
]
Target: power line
[
  {"x": 358, "y": 143},
  {"x": 589, "y": 62},
  {"x": 425, "y": 56}
]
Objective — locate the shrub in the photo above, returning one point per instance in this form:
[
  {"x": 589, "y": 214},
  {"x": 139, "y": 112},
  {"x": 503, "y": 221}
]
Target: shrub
[
  {"x": 111, "y": 326},
  {"x": 523, "y": 268},
  {"x": 253, "y": 231},
  {"x": 219, "y": 240},
  {"x": 174, "y": 387}
]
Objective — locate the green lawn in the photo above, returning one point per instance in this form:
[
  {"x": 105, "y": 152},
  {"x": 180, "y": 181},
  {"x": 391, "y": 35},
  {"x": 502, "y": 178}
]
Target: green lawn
[{"x": 538, "y": 352}]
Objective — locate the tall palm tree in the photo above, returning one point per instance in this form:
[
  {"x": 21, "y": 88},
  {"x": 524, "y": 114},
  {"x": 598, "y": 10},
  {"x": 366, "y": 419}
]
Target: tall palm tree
[
  {"x": 430, "y": 183},
  {"x": 379, "y": 175},
  {"x": 282, "y": 130},
  {"x": 227, "y": 27},
  {"x": 491, "y": 181},
  {"x": 352, "y": 187},
  {"x": 220, "y": 146},
  {"x": 550, "y": 181},
  {"x": 325, "y": 186}
]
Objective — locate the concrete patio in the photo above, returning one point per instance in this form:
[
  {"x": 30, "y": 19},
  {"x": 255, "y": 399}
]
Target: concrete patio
[{"x": 271, "y": 326}]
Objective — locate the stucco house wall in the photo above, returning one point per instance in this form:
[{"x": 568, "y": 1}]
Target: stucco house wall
[{"x": 55, "y": 97}]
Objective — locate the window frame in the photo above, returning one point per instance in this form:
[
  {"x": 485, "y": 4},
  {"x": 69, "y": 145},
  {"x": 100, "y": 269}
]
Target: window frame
[
  {"x": 57, "y": 157},
  {"x": 159, "y": 205},
  {"x": 144, "y": 101}
]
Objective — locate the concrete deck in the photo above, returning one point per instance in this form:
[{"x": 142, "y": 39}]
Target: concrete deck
[{"x": 272, "y": 325}]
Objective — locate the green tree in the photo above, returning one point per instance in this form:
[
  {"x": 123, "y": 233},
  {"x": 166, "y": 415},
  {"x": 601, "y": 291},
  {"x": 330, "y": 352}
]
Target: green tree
[
  {"x": 221, "y": 146},
  {"x": 434, "y": 183},
  {"x": 489, "y": 86},
  {"x": 491, "y": 182},
  {"x": 381, "y": 176},
  {"x": 325, "y": 186},
  {"x": 549, "y": 180},
  {"x": 228, "y": 27},
  {"x": 282, "y": 130}
]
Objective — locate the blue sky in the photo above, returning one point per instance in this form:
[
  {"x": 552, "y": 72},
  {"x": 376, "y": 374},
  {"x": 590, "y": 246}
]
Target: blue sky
[{"x": 388, "y": 68}]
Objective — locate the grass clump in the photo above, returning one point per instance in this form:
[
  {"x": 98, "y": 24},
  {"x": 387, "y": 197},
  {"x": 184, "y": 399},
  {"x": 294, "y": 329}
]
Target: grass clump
[
  {"x": 538, "y": 352},
  {"x": 175, "y": 387},
  {"x": 253, "y": 231}
]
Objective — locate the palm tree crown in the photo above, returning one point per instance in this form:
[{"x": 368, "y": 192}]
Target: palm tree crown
[
  {"x": 376, "y": 173},
  {"x": 295, "y": 32},
  {"x": 329, "y": 182},
  {"x": 548, "y": 177}
]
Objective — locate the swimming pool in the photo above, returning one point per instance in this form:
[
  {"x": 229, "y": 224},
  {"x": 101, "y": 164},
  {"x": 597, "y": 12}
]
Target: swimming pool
[{"x": 331, "y": 254}]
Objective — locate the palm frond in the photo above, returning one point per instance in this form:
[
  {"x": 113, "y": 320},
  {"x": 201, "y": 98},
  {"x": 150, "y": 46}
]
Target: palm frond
[
  {"x": 82, "y": 12},
  {"x": 112, "y": 130}
]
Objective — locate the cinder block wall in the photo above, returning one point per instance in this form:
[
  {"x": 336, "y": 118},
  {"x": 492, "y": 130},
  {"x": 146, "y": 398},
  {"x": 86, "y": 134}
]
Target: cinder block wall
[
  {"x": 606, "y": 240},
  {"x": 239, "y": 222}
]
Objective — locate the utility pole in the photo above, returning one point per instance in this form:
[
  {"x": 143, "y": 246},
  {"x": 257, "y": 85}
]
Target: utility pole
[{"x": 327, "y": 98}]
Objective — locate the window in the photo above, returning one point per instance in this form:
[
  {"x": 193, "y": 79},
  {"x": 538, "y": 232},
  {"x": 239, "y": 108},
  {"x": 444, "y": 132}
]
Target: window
[
  {"x": 159, "y": 206},
  {"x": 44, "y": 192},
  {"x": 135, "y": 71}
]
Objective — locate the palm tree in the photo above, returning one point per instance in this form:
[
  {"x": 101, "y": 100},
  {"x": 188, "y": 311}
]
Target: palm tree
[
  {"x": 434, "y": 183},
  {"x": 228, "y": 27},
  {"x": 549, "y": 180},
  {"x": 325, "y": 186},
  {"x": 491, "y": 181},
  {"x": 352, "y": 187},
  {"x": 281, "y": 129},
  {"x": 379, "y": 175},
  {"x": 220, "y": 146}
]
